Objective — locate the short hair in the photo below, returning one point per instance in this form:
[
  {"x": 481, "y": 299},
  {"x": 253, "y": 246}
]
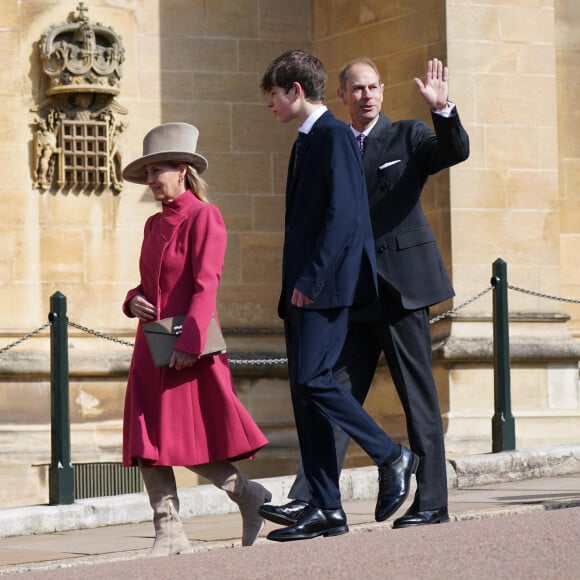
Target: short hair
[
  {"x": 343, "y": 74},
  {"x": 297, "y": 66}
]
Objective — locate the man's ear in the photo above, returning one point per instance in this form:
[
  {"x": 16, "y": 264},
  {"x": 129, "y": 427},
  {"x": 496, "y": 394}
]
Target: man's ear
[
  {"x": 298, "y": 90},
  {"x": 340, "y": 94}
]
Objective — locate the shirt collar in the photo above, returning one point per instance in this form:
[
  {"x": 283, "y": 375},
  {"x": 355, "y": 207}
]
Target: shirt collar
[
  {"x": 367, "y": 130},
  {"x": 306, "y": 127}
]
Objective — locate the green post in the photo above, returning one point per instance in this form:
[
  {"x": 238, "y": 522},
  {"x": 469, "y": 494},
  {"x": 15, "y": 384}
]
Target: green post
[
  {"x": 60, "y": 472},
  {"x": 502, "y": 424}
]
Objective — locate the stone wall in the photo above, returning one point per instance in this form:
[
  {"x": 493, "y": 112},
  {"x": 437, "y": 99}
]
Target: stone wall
[{"x": 567, "y": 14}]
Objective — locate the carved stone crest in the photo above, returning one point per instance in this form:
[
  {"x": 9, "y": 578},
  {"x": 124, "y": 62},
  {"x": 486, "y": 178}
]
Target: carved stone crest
[{"x": 77, "y": 126}]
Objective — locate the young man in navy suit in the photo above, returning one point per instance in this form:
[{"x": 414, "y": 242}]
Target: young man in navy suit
[
  {"x": 328, "y": 266},
  {"x": 398, "y": 158}
]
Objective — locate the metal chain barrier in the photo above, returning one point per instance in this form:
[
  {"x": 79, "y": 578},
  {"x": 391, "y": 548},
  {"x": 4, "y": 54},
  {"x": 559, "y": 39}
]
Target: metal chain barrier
[
  {"x": 540, "y": 295},
  {"x": 258, "y": 361},
  {"x": 460, "y": 306},
  {"x": 23, "y": 338},
  {"x": 101, "y": 335},
  {"x": 282, "y": 361}
]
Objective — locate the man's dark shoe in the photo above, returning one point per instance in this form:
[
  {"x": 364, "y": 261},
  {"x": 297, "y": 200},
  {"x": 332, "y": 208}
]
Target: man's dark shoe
[
  {"x": 313, "y": 522},
  {"x": 395, "y": 483},
  {"x": 422, "y": 518},
  {"x": 283, "y": 514}
]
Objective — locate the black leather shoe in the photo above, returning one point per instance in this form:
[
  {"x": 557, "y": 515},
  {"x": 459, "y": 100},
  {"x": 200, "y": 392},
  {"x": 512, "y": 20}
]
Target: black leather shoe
[
  {"x": 424, "y": 518},
  {"x": 313, "y": 522},
  {"x": 395, "y": 483},
  {"x": 283, "y": 514}
]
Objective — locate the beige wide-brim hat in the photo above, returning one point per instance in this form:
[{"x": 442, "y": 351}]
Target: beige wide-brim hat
[{"x": 168, "y": 142}]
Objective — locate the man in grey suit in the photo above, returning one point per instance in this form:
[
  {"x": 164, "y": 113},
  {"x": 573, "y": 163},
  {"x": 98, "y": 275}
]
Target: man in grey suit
[{"x": 398, "y": 158}]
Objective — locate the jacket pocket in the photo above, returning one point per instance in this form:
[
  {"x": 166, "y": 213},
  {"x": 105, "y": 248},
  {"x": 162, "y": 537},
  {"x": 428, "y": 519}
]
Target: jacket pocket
[{"x": 416, "y": 237}]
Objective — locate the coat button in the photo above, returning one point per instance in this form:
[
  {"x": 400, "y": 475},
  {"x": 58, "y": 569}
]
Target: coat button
[{"x": 382, "y": 249}]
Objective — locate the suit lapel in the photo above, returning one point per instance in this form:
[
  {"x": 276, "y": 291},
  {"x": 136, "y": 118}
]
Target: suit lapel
[
  {"x": 299, "y": 153},
  {"x": 376, "y": 143},
  {"x": 304, "y": 148}
]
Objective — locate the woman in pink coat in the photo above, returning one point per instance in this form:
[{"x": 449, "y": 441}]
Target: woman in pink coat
[{"x": 186, "y": 413}]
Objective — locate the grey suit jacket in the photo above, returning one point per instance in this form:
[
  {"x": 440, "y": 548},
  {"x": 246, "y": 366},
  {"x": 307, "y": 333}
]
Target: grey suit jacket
[{"x": 399, "y": 157}]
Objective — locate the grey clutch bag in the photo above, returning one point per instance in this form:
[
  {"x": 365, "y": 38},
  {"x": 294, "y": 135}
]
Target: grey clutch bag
[{"x": 162, "y": 336}]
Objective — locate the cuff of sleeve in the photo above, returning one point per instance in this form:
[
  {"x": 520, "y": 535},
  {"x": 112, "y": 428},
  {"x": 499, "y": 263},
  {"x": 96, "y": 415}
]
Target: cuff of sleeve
[{"x": 448, "y": 111}]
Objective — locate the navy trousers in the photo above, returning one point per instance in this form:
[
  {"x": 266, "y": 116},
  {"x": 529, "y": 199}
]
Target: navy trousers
[
  {"x": 314, "y": 342},
  {"x": 404, "y": 337}
]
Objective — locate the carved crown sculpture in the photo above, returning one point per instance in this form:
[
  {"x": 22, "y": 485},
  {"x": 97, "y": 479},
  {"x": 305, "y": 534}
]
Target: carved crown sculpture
[
  {"x": 79, "y": 57},
  {"x": 77, "y": 131}
]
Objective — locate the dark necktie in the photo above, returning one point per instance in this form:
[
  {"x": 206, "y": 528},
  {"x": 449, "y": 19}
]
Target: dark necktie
[
  {"x": 298, "y": 152},
  {"x": 361, "y": 143}
]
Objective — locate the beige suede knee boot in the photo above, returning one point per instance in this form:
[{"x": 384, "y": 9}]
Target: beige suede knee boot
[
  {"x": 249, "y": 495},
  {"x": 162, "y": 490}
]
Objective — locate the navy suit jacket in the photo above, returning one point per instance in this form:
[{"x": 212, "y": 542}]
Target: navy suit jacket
[
  {"x": 328, "y": 246},
  {"x": 398, "y": 159}
]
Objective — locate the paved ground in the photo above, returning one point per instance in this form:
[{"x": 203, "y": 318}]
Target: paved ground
[
  {"x": 537, "y": 545},
  {"x": 519, "y": 529}
]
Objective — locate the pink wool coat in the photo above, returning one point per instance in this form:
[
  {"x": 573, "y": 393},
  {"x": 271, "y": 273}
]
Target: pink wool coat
[{"x": 192, "y": 416}]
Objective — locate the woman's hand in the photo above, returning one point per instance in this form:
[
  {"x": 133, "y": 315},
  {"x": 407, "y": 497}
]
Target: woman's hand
[
  {"x": 140, "y": 307},
  {"x": 181, "y": 360}
]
